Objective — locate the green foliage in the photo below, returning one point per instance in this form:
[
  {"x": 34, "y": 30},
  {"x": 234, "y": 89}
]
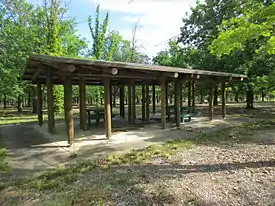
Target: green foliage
[
  {"x": 27, "y": 29},
  {"x": 257, "y": 22},
  {"x": 98, "y": 33},
  {"x": 58, "y": 95}
]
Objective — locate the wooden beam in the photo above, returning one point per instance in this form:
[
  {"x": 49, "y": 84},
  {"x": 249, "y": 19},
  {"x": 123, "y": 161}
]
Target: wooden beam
[
  {"x": 37, "y": 72},
  {"x": 143, "y": 103},
  {"x": 133, "y": 104},
  {"x": 82, "y": 108},
  {"x": 39, "y": 104},
  {"x": 163, "y": 102},
  {"x": 177, "y": 102},
  {"x": 121, "y": 101},
  {"x": 154, "y": 98},
  {"x": 107, "y": 105},
  {"x": 50, "y": 100},
  {"x": 223, "y": 100},
  {"x": 210, "y": 107},
  {"x": 68, "y": 106},
  {"x": 129, "y": 104},
  {"x": 124, "y": 65}
]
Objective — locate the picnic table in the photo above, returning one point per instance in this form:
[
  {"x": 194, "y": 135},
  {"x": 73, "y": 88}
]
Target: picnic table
[
  {"x": 95, "y": 113},
  {"x": 186, "y": 112}
]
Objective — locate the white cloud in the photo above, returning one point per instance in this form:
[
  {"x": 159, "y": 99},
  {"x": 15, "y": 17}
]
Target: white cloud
[{"x": 158, "y": 20}]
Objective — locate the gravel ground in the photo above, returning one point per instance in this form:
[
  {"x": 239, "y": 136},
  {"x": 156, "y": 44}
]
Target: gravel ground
[{"x": 235, "y": 175}]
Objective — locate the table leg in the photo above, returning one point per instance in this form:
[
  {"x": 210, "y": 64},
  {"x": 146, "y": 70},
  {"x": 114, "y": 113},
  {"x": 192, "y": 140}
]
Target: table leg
[{"x": 97, "y": 118}]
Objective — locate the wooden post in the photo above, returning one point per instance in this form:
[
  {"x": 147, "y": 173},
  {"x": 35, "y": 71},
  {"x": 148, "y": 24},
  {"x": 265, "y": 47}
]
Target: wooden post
[
  {"x": 193, "y": 93},
  {"x": 177, "y": 102},
  {"x": 163, "y": 102},
  {"x": 82, "y": 108},
  {"x": 189, "y": 93},
  {"x": 129, "y": 104},
  {"x": 181, "y": 97},
  {"x": 143, "y": 103},
  {"x": 133, "y": 104},
  {"x": 107, "y": 105},
  {"x": 111, "y": 98},
  {"x": 39, "y": 104},
  {"x": 210, "y": 104},
  {"x": 147, "y": 104},
  {"x": 51, "y": 124},
  {"x": 68, "y": 107},
  {"x": 154, "y": 98},
  {"x": 121, "y": 101},
  {"x": 166, "y": 94},
  {"x": 223, "y": 100}
]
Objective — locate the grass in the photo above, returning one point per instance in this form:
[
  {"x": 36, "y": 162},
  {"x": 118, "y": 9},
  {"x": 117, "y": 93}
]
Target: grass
[{"x": 13, "y": 117}]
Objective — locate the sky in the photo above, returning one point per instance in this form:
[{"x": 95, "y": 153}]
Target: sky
[{"x": 158, "y": 20}]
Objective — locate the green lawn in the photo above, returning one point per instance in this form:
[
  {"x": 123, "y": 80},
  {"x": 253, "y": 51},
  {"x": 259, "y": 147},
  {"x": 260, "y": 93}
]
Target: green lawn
[{"x": 11, "y": 116}]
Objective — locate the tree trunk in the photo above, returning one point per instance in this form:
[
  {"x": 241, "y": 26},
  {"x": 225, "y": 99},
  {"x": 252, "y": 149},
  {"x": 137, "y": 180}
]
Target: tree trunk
[
  {"x": 5, "y": 101},
  {"x": 249, "y": 97},
  {"x": 236, "y": 97},
  {"x": 29, "y": 98},
  {"x": 19, "y": 103},
  {"x": 114, "y": 99},
  {"x": 201, "y": 98},
  {"x": 263, "y": 96},
  {"x": 34, "y": 100},
  {"x": 215, "y": 99}
]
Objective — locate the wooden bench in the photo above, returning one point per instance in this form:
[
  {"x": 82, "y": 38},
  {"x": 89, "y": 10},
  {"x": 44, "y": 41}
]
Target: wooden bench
[{"x": 188, "y": 113}]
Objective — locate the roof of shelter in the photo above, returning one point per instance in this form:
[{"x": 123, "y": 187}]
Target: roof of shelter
[{"x": 95, "y": 71}]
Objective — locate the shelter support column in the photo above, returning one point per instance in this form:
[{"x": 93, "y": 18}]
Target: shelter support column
[
  {"x": 163, "y": 102},
  {"x": 181, "y": 97},
  {"x": 167, "y": 95},
  {"x": 51, "y": 123},
  {"x": 111, "y": 99},
  {"x": 143, "y": 103},
  {"x": 129, "y": 104},
  {"x": 147, "y": 104},
  {"x": 154, "y": 98},
  {"x": 193, "y": 93},
  {"x": 107, "y": 106},
  {"x": 210, "y": 102},
  {"x": 223, "y": 100},
  {"x": 39, "y": 104},
  {"x": 68, "y": 107},
  {"x": 133, "y": 104},
  {"x": 121, "y": 101},
  {"x": 189, "y": 93},
  {"x": 177, "y": 102},
  {"x": 83, "y": 112}
]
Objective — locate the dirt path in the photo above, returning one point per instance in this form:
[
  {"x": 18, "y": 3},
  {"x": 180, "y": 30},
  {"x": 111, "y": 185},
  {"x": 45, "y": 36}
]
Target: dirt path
[{"x": 29, "y": 151}]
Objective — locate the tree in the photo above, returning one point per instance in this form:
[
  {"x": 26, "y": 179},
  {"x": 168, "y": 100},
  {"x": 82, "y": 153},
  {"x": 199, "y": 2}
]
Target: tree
[
  {"x": 255, "y": 23},
  {"x": 98, "y": 33},
  {"x": 27, "y": 29}
]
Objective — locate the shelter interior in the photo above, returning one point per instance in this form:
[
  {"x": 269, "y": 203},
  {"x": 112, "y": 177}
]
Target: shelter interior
[{"x": 50, "y": 70}]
